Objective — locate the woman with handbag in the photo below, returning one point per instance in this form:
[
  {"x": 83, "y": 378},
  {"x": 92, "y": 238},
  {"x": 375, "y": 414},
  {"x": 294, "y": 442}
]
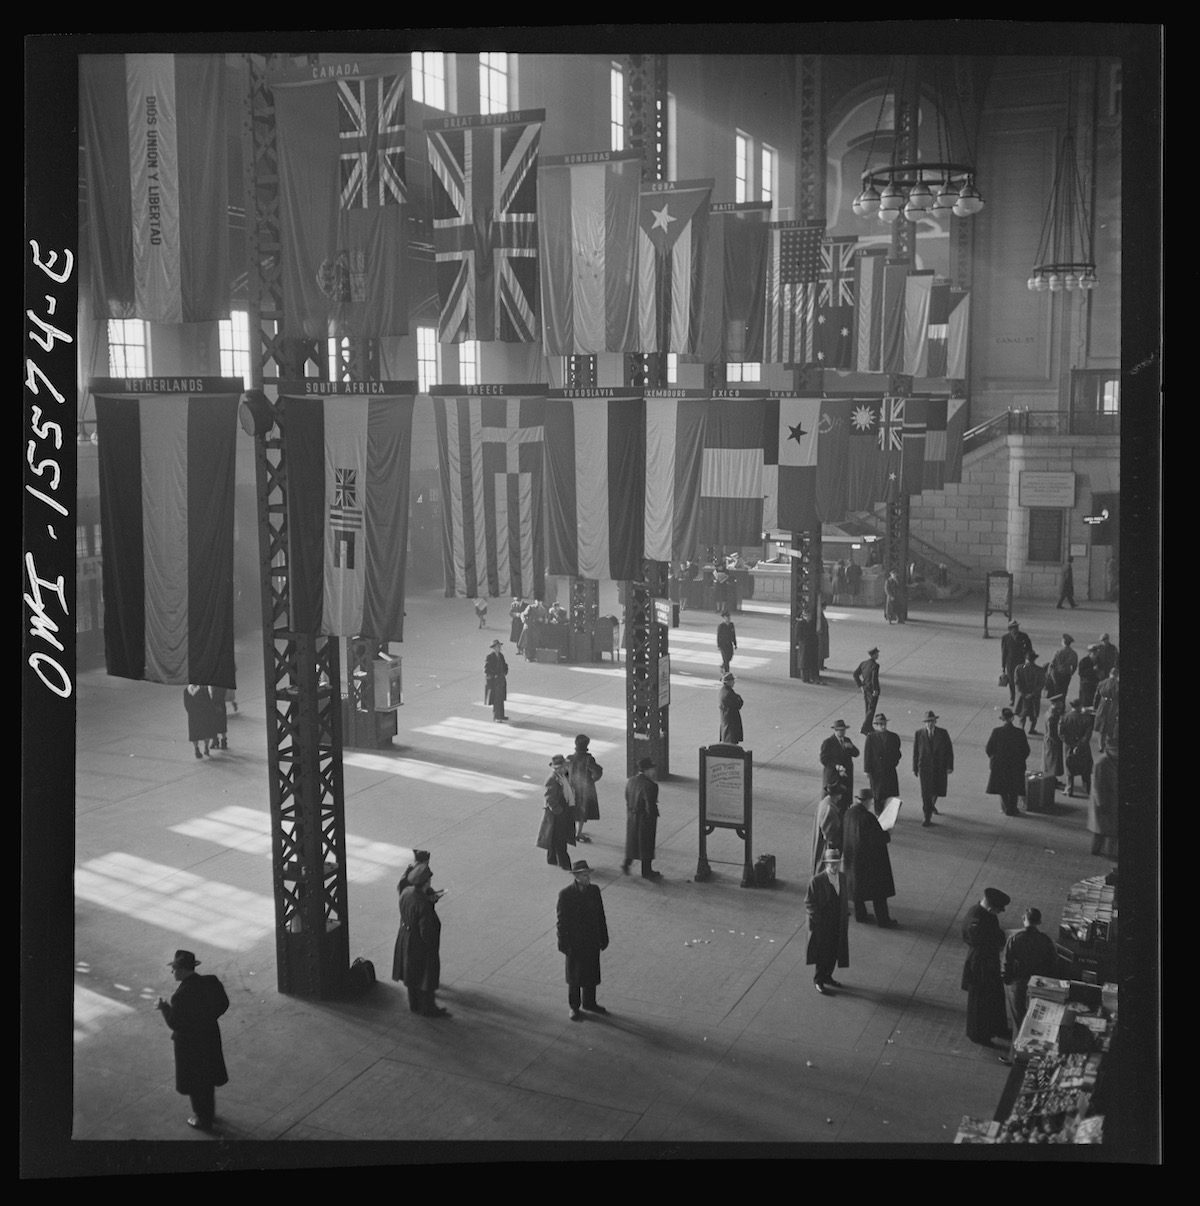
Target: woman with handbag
[
  {"x": 557, "y": 830},
  {"x": 584, "y": 771}
]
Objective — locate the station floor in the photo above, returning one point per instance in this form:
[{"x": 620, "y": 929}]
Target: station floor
[{"x": 715, "y": 1034}]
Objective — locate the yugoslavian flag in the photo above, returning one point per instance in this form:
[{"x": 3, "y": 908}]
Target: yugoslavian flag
[
  {"x": 595, "y": 483},
  {"x": 587, "y": 251},
  {"x": 731, "y": 480},
  {"x": 673, "y": 230},
  {"x": 348, "y": 460},
  {"x": 491, "y": 461},
  {"x": 790, "y": 431},
  {"x": 157, "y": 185},
  {"x": 674, "y": 454},
  {"x": 167, "y": 453}
]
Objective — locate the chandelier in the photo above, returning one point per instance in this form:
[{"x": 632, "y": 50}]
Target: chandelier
[
  {"x": 1065, "y": 260},
  {"x": 934, "y": 188}
]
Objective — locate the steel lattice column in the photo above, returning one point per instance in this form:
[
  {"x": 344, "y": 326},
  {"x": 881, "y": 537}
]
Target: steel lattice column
[
  {"x": 647, "y": 725},
  {"x": 807, "y": 569}
]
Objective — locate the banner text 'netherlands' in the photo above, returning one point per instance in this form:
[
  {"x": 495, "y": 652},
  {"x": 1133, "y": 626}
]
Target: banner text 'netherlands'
[
  {"x": 157, "y": 186},
  {"x": 490, "y": 457},
  {"x": 166, "y": 467},
  {"x": 595, "y": 485},
  {"x": 348, "y": 462},
  {"x": 673, "y": 234}
]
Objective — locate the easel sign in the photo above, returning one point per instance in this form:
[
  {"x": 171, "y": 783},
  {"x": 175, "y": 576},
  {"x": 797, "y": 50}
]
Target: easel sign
[
  {"x": 997, "y": 597},
  {"x": 726, "y": 802}
]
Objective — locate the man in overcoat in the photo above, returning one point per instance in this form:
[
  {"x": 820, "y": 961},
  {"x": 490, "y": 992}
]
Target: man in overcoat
[
  {"x": 807, "y": 649},
  {"x": 981, "y": 977},
  {"x": 1015, "y": 647},
  {"x": 730, "y": 704},
  {"x": 726, "y": 641},
  {"x": 1062, "y": 666},
  {"x": 1029, "y": 679},
  {"x": 1076, "y": 731},
  {"x": 1105, "y": 656},
  {"x": 1102, "y": 804},
  {"x": 1105, "y": 719},
  {"x": 865, "y": 859},
  {"x": 584, "y": 773},
  {"x": 1052, "y": 747},
  {"x": 1007, "y": 750},
  {"x": 1089, "y": 676},
  {"x": 866, "y": 677},
  {"x": 933, "y": 761},
  {"x": 559, "y": 802},
  {"x": 837, "y": 764},
  {"x": 827, "y": 829},
  {"x": 881, "y": 757},
  {"x": 495, "y": 681},
  {"x": 828, "y": 923},
  {"x": 417, "y": 958},
  {"x": 641, "y": 819},
  {"x": 582, "y": 935},
  {"x": 1027, "y": 952},
  {"x": 191, "y": 1014}
]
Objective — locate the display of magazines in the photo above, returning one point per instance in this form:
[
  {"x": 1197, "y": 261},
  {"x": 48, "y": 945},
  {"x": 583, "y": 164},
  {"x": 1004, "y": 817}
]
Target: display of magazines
[{"x": 1053, "y": 1102}]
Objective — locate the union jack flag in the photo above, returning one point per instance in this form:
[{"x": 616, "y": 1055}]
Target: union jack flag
[
  {"x": 371, "y": 138},
  {"x": 485, "y": 238},
  {"x": 832, "y": 345},
  {"x": 345, "y": 512},
  {"x": 891, "y": 425}
]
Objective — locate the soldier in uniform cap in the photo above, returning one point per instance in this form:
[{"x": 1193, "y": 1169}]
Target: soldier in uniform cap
[
  {"x": 981, "y": 977},
  {"x": 866, "y": 677},
  {"x": 1015, "y": 647}
]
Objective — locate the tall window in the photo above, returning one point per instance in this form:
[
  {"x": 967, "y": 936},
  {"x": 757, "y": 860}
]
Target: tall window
[
  {"x": 741, "y": 168},
  {"x": 493, "y": 82},
  {"x": 427, "y": 359},
  {"x": 769, "y": 177},
  {"x": 127, "y": 347},
  {"x": 468, "y": 362},
  {"x": 616, "y": 108},
  {"x": 233, "y": 334},
  {"x": 749, "y": 370},
  {"x": 429, "y": 78}
]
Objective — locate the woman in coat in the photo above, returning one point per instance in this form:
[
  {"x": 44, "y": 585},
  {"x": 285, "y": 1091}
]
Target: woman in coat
[
  {"x": 417, "y": 957},
  {"x": 201, "y": 717},
  {"x": 982, "y": 980},
  {"x": 515, "y": 623},
  {"x": 730, "y": 703},
  {"x": 495, "y": 681},
  {"x": 584, "y": 772},
  {"x": 558, "y": 820},
  {"x": 1007, "y": 750}
]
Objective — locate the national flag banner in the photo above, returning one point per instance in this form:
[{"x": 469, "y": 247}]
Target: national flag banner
[
  {"x": 895, "y": 297},
  {"x": 342, "y": 204},
  {"x": 956, "y": 425},
  {"x": 595, "y": 457},
  {"x": 731, "y": 477},
  {"x": 892, "y": 412},
  {"x": 791, "y": 429},
  {"x": 157, "y": 185},
  {"x": 485, "y": 237},
  {"x": 912, "y": 462},
  {"x": 493, "y": 480},
  {"x": 793, "y": 270},
  {"x": 674, "y": 456},
  {"x": 958, "y": 334},
  {"x": 349, "y": 454},
  {"x": 938, "y": 329},
  {"x": 735, "y": 282},
  {"x": 833, "y": 457},
  {"x": 672, "y": 240},
  {"x": 833, "y": 345},
  {"x": 866, "y": 477},
  {"x": 166, "y": 464},
  {"x": 869, "y": 263},
  {"x": 918, "y": 288},
  {"x": 587, "y": 251},
  {"x": 934, "y": 474}
]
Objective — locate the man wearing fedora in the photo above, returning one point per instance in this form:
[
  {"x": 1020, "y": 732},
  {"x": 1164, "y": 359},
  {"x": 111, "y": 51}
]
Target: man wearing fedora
[
  {"x": 828, "y": 922},
  {"x": 881, "y": 757},
  {"x": 495, "y": 680},
  {"x": 1015, "y": 647},
  {"x": 641, "y": 819},
  {"x": 1029, "y": 680},
  {"x": 866, "y": 676},
  {"x": 726, "y": 640},
  {"x": 981, "y": 978},
  {"x": 1007, "y": 750},
  {"x": 417, "y": 957},
  {"x": 866, "y": 861},
  {"x": 933, "y": 761},
  {"x": 730, "y": 704},
  {"x": 560, "y": 806},
  {"x": 582, "y": 935},
  {"x": 192, "y": 1014},
  {"x": 837, "y": 764}
]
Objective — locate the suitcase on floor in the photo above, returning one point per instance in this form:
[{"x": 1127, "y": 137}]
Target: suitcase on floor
[
  {"x": 764, "y": 871},
  {"x": 1039, "y": 793}
]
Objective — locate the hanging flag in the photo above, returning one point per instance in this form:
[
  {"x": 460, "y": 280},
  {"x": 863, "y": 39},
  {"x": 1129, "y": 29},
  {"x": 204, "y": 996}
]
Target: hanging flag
[
  {"x": 895, "y": 292},
  {"x": 734, "y": 282},
  {"x": 866, "y": 477},
  {"x": 595, "y": 483},
  {"x": 790, "y": 432},
  {"x": 731, "y": 478},
  {"x": 166, "y": 465},
  {"x": 869, "y": 263},
  {"x": 833, "y": 344},
  {"x": 917, "y": 298},
  {"x": 934, "y": 474},
  {"x": 912, "y": 462},
  {"x": 938, "y": 329},
  {"x": 956, "y": 425},
  {"x": 892, "y": 411},
  {"x": 157, "y": 184},
  {"x": 587, "y": 251},
  {"x": 348, "y": 462},
  {"x": 485, "y": 238},
  {"x": 793, "y": 268},
  {"x": 674, "y": 455},
  {"x": 342, "y": 195},
  {"x": 833, "y": 456},
  {"x": 673, "y": 233},
  {"x": 492, "y": 474},
  {"x": 958, "y": 334}
]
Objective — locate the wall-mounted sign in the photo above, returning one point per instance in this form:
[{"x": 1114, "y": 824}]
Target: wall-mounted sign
[
  {"x": 664, "y": 681},
  {"x": 662, "y": 612},
  {"x": 1046, "y": 489},
  {"x": 1079, "y": 550}
]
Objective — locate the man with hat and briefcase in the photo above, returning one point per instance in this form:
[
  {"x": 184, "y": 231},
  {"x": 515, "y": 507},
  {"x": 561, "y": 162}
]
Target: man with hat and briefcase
[
  {"x": 933, "y": 761},
  {"x": 582, "y": 935}
]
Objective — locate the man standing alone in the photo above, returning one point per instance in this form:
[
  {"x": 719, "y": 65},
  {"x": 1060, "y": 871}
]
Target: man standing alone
[
  {"x": 866, "y": 676},
  {"x": 1015, "y": 647},
  {"x": 981, "y": 977},
  {"x": 192, "y": 1015},
  {"x": 641, "y": 819},
  {"x": 582, "y": 935},
  {"x": 1007, "y": 750},
  {"x": 729, "y": 702},
  {"x": 933, "y": 760},
  {"x": 828, "y": 923},
  {"x": 1066, "y": 593},
  {"x": 881, "y": 757},
  {"x": 726, "y": 641}
]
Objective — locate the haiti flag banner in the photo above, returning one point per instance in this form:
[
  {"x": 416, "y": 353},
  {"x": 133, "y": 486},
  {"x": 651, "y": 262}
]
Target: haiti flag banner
[
  {"x": 348, "y": 461},
  {"x": 167, "y": 451}
]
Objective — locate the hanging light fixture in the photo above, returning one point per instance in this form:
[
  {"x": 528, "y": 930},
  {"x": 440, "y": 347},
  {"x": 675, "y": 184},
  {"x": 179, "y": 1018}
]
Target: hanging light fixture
[
  {"x": 1065, "y": 259},
  {"x": 935, "y": 188}
]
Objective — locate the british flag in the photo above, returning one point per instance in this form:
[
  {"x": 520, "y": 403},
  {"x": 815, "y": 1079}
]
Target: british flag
[
  {"x": 891, "y": 425},
  {"x": 832, "y": 344},
  {"x": 484, "y": 196},
  {"x": 371, "y": 140}
]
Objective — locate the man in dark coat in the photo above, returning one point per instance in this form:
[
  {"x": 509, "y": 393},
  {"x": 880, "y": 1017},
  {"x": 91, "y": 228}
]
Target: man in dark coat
[
  {"x": 837, "y": 764},
  {"x": 1066, "y": 592},
  {"x": 981, "y": 977},
  {"x": 827, "y": 829},
  {"x": 1062, "y": 666},
  {"x": 865, "y": 859},
  {"x": 807, "y": 649},
  {"x": 192, "y": 1015},
  {"x": 1015, "y": 647},
  {"x": 1106, "y": 706},
  {"x": 933, "y": 760},
  {"x": 1028, "y": 952},
  {"x": 881, "y": 757},
  {"x": 417, "y": 958},
  {"x": 559, "y": 803},
  {"x": 854, "y": 579},
  {"x": 1076, "y": 730},
  {"x": 828, "y": 923},
  {"x": 1089, "y": 677},
  {"x": 641, "y": 819},
  {"x": 730, "y": 703},
  {"x": 1052, "y": 747},
  {"x": 201, "y": 717},
  {"x": 1029, "y": 679},
  {"x": 1007, "y": 750},
  {"x": 726, "y": 641},
  {"x": 866, "y": 677},
  {"x": 1105, "y": 657},
  {"x": 495, "y": 681},
  {"x": 582, "y": 935}
]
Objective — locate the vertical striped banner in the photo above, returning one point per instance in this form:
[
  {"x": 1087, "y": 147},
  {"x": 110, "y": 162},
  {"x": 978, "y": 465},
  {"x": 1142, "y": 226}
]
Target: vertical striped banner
[
  {"x": 674, "y": 451},
  {"x": 917, "y": 298},
  {"x": 958, "y": 333},
  {"x": 868, "y": 309},
  {"x": 731, "y": 477}
]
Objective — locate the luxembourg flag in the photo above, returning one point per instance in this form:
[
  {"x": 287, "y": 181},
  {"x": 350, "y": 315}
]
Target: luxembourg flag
[{"x": 674, "y": 456}]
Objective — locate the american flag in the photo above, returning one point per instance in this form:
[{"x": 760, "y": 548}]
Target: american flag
[
  {"x": 371, "y": 139},
  {"x": 485, "y": 239},
  {"x": 793, "y": 272}
]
